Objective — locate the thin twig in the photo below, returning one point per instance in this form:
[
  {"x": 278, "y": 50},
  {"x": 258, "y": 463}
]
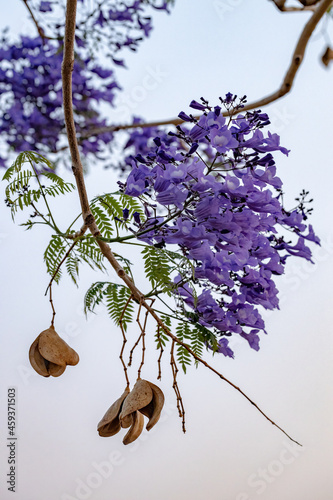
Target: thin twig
[
  {"x": 138, "y": 340},
  {"x": 202, "y": 361},
  {"x": 297, "y": 58},
  {"x": 124, "y": 338},
  {"x": 159, "y": 376},
  {"x": 40, "y": 30},
  {"x": 174, "y": 368},
  {"x": 88, "y": 218},
  {"x": 53, "y": 310},
  {"x": 143, "y": 333}
]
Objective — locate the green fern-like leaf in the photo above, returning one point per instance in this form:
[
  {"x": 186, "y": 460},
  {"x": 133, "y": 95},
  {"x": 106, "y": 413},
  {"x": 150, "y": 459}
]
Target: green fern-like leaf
[
  {"x": 157, "y": 267},
  {"x": 56, "y": 189},
  {"x": 102, "y": 220},
  {"x": 72, "y": 267},
  {"x": 161, "y": 338},
  {"x": 89, "y": 252},
  {"x": 53, "y": 255},
  {"x": 26, "y": 157},
  {"x": 196, "y": 344},
  {"x": 22, "y": 173},
  {"x": 116, "y": 298},
  {"x": 55, "y": 179},
  {"x": 21, "y": 180},
  {"x": 206, "y": 336},
  {"x": 112, "y": 206},
  {"x": 33, "y": 156},
  {"x": 94, "y": 295},
  {"x": 183, "y": 332}
]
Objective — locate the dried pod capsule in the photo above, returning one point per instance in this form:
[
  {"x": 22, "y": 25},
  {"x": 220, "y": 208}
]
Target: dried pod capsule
[
  {"x": 56, "y": 370},
  {"x": 139, "y": 397},
  {"x": 110, "y": 424},
  {"x": 55, "y": 349},
  {"x": 127, "y": 421},
  {"x": 39, "y": 364},
  {"x": 154, "y": 408},
  {"x": 49, "y": 354},
  {"x": 135, "y": 429}
]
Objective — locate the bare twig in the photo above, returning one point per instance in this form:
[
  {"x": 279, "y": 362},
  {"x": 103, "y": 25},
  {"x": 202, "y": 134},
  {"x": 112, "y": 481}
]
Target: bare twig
[
  {"x": 159, "y": 375},
  {"x": 130, "y": 359},
  {"x": 40, "y": 30},
  {"x": 296, "y": 60},
  {"x": 53, "y": 310},
  {"x": 139, "y": 338},
  {"x": 143, "y": 333},
  {"x": 174, "y": 368},
  {"x": 124, "y": 338},
  {"x": 88, "y": 217}
]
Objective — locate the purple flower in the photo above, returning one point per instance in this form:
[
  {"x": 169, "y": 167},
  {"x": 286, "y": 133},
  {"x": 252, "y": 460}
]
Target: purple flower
[
  {"x": 222, "y": 140},
  {"x": 172, "y": 196},
  {"x": 252, "y": 338},
  {"x": 136, "y": 217},
  {"x": 185, "y": 117},
  {"x": 45, "y": 6},
  {"x": 224, "y": 348},
  {"x": 197, "y": 105}
]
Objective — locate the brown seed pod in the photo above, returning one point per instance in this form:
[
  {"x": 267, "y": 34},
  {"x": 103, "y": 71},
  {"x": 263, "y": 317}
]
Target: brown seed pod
[
  {"x": 127, "y": 421},
  {"x": 154, "y": 408},
  {"x": 39, "y": 364},
  {"x": 55, "y": 349},
  {"x": 110, "y": 424},
  {"x": 135, "y": 429},
  {"x": 49, "y": 354},
  {"x": 139, "y": 397},
  {"x": 56, "y": 370}
]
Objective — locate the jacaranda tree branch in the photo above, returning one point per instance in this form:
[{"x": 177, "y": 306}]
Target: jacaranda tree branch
[
  {"x": 88, "y": 218},
  {"x": 285, "y": 88}
]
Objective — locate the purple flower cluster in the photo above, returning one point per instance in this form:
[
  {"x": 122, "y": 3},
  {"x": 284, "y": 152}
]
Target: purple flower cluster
[
  {"x": 141, "y": 141},
  {"x": 224, "y": 215},
  {"x": 30, "y": 74},
  {"x": 30, "y": 86}
]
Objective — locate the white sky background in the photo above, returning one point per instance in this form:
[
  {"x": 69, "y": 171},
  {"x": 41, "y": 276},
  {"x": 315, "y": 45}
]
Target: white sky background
[{"x": 230, "y": 452}]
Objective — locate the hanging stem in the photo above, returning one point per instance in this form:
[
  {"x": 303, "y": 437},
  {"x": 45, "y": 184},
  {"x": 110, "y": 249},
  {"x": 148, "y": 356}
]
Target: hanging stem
[
  {"x": 137, "y": 342},
  {"x": 124, "y": 338},
  {"x": 159, "y": 376},
  {"x": 174, "y": 368},
  {"x": 143, "y": 333},
  {"x": 53, "y": 310}
]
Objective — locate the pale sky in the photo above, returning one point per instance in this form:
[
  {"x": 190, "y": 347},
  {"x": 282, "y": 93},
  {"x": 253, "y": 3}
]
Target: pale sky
[{"x": 230, "y": 452}]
